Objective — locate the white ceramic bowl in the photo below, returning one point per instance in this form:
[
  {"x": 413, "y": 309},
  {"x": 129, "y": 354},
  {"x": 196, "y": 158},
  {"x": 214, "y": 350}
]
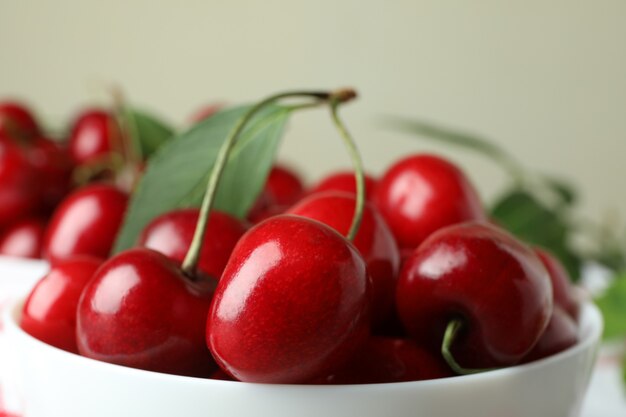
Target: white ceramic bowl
[{"x": 59, "y": 384}]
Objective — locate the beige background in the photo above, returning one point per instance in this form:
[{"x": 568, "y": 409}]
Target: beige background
[{"x": 546, "y": 78}]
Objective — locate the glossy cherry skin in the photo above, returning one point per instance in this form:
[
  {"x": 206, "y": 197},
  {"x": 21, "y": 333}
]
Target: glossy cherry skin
[
  {"x": 382, "y": 360},
  {"x": 54, "y": 168},
  {"x": 423, "y": 193},
  {"x": 49, "y": 313},
  {"x": 486, "y": 278},
  {"x": 282, "y": 189},
  {"x": 95, "y": 135},
  {"x": 17, "y": 121},
  {"x": 292, "y": 303},
  {"x": 140, "y": 310},
  {"x": 374, "y": 240},
  {"x": 85, "y": 223},
  {"x": 23, "y": 239},
  {"x": 562, "y": 289},
  {"x": 19, "y": 191},
  {"x": 345, "y": 181},
  {"x": 561, "y": 333},
  {"x": 172, "y": 233}
]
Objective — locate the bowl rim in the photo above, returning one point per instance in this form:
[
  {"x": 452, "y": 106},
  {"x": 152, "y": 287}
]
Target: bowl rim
[{"x": 590, "y": 323}]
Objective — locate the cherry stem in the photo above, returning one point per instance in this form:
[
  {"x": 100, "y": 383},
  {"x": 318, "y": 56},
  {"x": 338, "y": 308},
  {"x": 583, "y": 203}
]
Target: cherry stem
[
  {"x": 452, "y": 330},
  {"x": 192, "y": 257},
  {"x": 357, "y": 162}
]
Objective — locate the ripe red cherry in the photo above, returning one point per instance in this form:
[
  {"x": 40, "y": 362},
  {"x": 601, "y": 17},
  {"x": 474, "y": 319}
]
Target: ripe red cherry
[
  {"x": 19, "y": 193},
  {"x": 484, "y": 277},
  {"x": 423, "y": 193},
  {"x": 562, "y": 289},
  {"x": 54, "y": 168},
  {"x": 345, "y": 181},
  {"x": 95, "y": 134},
  {"x": 291, "y": 305},
  {"x": 23, "y": 239},
  {"x": 49, "y": 313},
  {"x": 85, "y": 223},
  {"x": 140, "y": 310},
  {"x": 172, "y": 233},
  {"x": 560, "y": 334},
  {"x": 16, "y": 121},
  {"x": 383, "y": 360},
  {"x": 374, "y": 240},
  {"x": 282, "y": 189}
]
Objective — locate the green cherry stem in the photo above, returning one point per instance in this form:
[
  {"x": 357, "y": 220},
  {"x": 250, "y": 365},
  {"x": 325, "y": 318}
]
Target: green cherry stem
[
  {"x": 356, "y": 162},
  {"x": 193, "y": 254},
  {"x": 452, "y": 330}
]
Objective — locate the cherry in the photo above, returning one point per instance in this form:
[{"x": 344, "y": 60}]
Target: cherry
[
  {"x": 54, "y": 168},
  {"x": 171, "y": 234},
  {"x": 423, "y": 193},
  {"x": 560, "y": 334},
  {"x": 95, "y": 135},
  {"x": 140, "y": 310},
  {"x": 374, "y": 240},
  {"x": 344, "y": 181},
  {"x": 49, "y": 313},
  {"x": 85, "y": 223},
  {"x": 16, "y": 121},
  {"x": 291, "y": 305},
  {"x": 383, "y": 360},
  {"x": 221, "y": 375},
  {"x": 23, "y": 239},
  {"x": 485, "y": 290},
  {"x": 562, "y": 290},
  {"x": 19, "y": 194},
  {"x": 282, "y": 189}
]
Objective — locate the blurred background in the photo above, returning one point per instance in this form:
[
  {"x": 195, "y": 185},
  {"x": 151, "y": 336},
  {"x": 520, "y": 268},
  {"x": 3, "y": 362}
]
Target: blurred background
[{"x": 545, "y": 80}]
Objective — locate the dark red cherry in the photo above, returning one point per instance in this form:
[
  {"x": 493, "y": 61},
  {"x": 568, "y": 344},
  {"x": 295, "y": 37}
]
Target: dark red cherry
[
  {"x": 485, "y": 278},
  {"x": 95, "y": 135},
  {"x": 53, "y": 166},
  {"x": 16, "y": 121},
  {"x": 423, "y": 193},
  {"x": 374, "y": 240},
  {"x": 560, "y": 334},
  {"x": 85, "y": 223},
  {"x": 19, "y": 191},
  {"x": 172, "y": 233},
  {"x": 282, "y": 189},
  {"x": 140, "y": 310},
  {"x": 292, "y": 303},
  {"x": 23, "y": 239},
  {"x": 383, "y": 360},
  {"x": 562, "y": 289},
  {"x": 49, "y": 313},
  {"x": 221, "y": 375},
  {"x": 345, "y": 181}
]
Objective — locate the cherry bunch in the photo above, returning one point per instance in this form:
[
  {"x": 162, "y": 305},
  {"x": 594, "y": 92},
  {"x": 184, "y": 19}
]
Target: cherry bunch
[{"x": 357, "y": 279}]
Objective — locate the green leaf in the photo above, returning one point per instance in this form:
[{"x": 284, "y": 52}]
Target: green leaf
[
  {"x": 613, "y": 306},
  {"x": 526, "y": 217},
  {"x": 461, "y": 139},
  {"x": 149, "y": 133},
  {"x": 177, "y": 174}
]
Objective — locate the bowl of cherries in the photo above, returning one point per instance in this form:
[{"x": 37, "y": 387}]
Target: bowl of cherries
[{"x": 259, "y": 296}]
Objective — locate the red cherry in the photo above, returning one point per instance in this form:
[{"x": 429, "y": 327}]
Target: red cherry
[
  {"x": 383, "y": 360},
  {"x": 85, "y": 223},
  {"x": 374, "y": 240},
  {"x": 291, "y": 305},
  {"x": 23, "y": 239},
  {"x": 54, "y": 168},
  {"x": 560, "y": 334},
  {"x": 483, "y": 276},
  {"x": 344, "y": 181},
  {"x": 172, "y": 233},
  {"x": 562, "y": 290},
  {"x": 140, "y": 310},
  {"x": 19, "y": 194},
  {"x": 49, "y": 313},
  {"x": 16, "y": 121},
  {"x": 95, "y": 134},
  {"x": 282, "y": 189},
  {"x": 423, "y": 193},
  {"x": 221, "y": 375}
]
